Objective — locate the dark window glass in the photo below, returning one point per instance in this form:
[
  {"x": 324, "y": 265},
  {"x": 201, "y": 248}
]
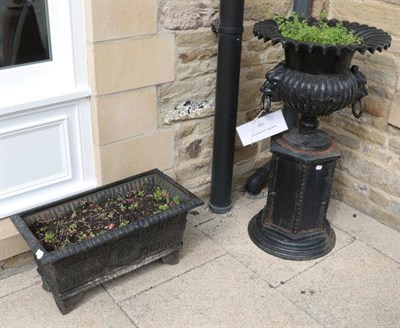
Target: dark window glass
[{"x": 24, "y": 33}]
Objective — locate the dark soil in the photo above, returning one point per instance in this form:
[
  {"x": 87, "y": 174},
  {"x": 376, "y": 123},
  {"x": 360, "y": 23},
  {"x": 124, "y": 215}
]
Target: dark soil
[{"x": 91, "y": 219}]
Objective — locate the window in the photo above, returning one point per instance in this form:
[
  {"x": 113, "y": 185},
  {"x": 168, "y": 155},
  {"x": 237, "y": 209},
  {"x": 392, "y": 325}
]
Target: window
[
  {"x": 60, "y": 77},
  {"x": 45, "y": 124},
  {"x": 24, "y": 33}
]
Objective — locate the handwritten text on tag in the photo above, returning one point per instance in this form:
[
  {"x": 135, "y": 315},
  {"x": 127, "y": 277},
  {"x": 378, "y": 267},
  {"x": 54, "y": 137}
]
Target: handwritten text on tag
[{"x": 262, "y": 128}]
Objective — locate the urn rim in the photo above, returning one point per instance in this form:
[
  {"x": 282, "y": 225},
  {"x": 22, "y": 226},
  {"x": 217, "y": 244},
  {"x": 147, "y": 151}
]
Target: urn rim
[{"x": 374, "y": 39}]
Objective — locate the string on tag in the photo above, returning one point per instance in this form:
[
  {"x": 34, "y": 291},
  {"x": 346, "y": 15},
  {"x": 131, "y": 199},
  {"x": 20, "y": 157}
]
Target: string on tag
[{"x": 260, "y": 114}]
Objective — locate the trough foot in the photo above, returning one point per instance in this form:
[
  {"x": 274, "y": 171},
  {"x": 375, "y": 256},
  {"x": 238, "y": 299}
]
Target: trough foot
[
  {"x": 45, "y": 285},
  {"x": 67, "y": 303},
  {"x": 172, "y": 258}
]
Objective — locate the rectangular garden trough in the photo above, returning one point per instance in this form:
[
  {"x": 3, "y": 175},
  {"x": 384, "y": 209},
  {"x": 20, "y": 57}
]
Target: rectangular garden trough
[{"x": 70, "y": 271}]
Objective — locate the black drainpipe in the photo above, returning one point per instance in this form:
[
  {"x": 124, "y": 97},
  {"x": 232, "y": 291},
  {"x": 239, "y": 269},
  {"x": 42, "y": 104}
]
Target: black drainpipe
[
  {"x": 260, "y": 177},
  {"x": 302, "y": 7},
  {"x": 230, "y": 30}
]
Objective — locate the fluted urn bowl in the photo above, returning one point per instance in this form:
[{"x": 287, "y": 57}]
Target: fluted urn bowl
[{"x": 315, "y": 79}]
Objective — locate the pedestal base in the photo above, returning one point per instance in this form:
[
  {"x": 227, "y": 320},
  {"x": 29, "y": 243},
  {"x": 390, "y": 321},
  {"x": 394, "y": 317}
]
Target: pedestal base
[
  {"x": 277, "y": 242},
  {"x": 293, "y": 223}
]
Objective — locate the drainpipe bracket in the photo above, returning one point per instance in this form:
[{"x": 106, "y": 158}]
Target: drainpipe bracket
[{"x": 217, "y": 28}]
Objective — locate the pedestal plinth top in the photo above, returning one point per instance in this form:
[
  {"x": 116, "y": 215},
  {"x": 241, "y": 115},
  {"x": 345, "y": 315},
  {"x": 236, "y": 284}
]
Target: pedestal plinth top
[{"x": 282, "y": 148}]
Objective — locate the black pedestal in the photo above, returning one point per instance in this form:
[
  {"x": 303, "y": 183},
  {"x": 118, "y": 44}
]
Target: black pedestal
[{"x": 293, "y": 224}]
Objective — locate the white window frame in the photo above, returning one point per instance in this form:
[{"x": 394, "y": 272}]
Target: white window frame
[
  {"x": 60, "y": 79},
  {"x": 28, "y": 91}
]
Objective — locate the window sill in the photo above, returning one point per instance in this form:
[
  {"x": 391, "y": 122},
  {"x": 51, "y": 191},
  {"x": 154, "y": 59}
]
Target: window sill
[{"x": 8, "y": 106}]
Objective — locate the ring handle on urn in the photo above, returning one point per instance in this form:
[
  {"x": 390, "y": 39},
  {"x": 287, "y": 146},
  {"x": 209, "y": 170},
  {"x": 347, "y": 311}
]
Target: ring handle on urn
[
  {"x": 362, "y": 108},
  {"x": 362, "y": 92},
  {"x": 265, "y": 99},
  {"x": 270, "y": 88}
]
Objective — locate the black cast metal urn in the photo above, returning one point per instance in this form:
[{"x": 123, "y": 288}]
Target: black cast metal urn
[{"x": 314, "y": 80}]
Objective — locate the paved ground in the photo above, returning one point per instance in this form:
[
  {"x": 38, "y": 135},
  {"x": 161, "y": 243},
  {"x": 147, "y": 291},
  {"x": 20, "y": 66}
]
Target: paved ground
[{"x": 224, "y": 280}]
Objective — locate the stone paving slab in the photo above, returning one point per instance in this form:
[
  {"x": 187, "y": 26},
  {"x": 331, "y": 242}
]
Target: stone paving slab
[
  {"x": 19, "y": 281},
  {"x": 231, "y": 233},
  {"x": 239, "y": 199},
  {"x": 366, "y": 229},
  {"x": 197, "y": 249},
  {"x": 221, "y": 293},
  {"x": 224, "y": 280},
  {"x": 355, "y": 287},
  {"x": 33, "y": 307}
]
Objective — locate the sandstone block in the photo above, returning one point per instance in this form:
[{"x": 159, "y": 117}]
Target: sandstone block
[
  {"x": 197, "y": 54},
  {"x": 242, "y": 169},
  {"x": 363, "y": 131},
  {"x": 343, "y": 138},
  {"x": 202, "y": 190},
  {"x": 262, "y": 158},
  {"x": 394, "y": 145},
  {"x": 11, "y": 242},
  {"x": 357, "y": 200},
  {"x": 363, "y": 169},
  {"x": 380, "y": 14},
  {"x": 342, "y": 177},
  {"x": 249, "y": 95},
  {"x": 245, "y": 153},
  {"x": 394, "y": 116},
  {"x": 120, "y": 19},
  {"x": 191, "y": 169},
  {"x": 395, "y": 2},
  {"x": 199, "y": 185},
  {"x": 274, "y": 55},
  {"x": 185, "y": 15},
  {"x": 384, "y": 217},
  {"x": 254, "y": 73},
  {"x": 319, "y": 7},
  {"x": 263, "y": 146},
  {"x": 203, "y": 37},
  {"x": 379, "y": 198},
  {"x": 378, "y": 73},
  {"x": 394, "y": 207},
  {"x": 125, "y": 115},
  {"x": 130, "y": 64},
  {"x": 248, "y": 31},
  {"x": 195, "y": 69},
  {"x": 17, "y": 261},
  {"x": 257, "y": 45},
  {"x": 206, "y": 126},
  {"x": 183, "y": 130},
  {"x": 129, "y": 157},
  {"x": 377, "y": 106},
  {"x": 346, "y": 192},
  {"x": 250, "y": 59},
  {"x": 380, "y": 154},
  {"x": 258, "y": 10},
  {"x": 379, "y": 59}
]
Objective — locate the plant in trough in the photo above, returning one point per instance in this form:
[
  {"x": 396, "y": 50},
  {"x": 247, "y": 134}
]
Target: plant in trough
[{"x": 90, "y": 219}]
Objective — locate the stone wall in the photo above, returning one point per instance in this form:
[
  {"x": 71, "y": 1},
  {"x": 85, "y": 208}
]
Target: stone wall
[
  {"x": 127, "y": 59},
  {"x": 152, "y": 67},
  {"x": 187, "y": 103},
  {"x": 368, "y": 175}
]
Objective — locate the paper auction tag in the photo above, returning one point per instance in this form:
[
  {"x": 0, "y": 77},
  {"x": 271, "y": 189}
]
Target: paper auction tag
[{"x": 262, "y": 128}]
